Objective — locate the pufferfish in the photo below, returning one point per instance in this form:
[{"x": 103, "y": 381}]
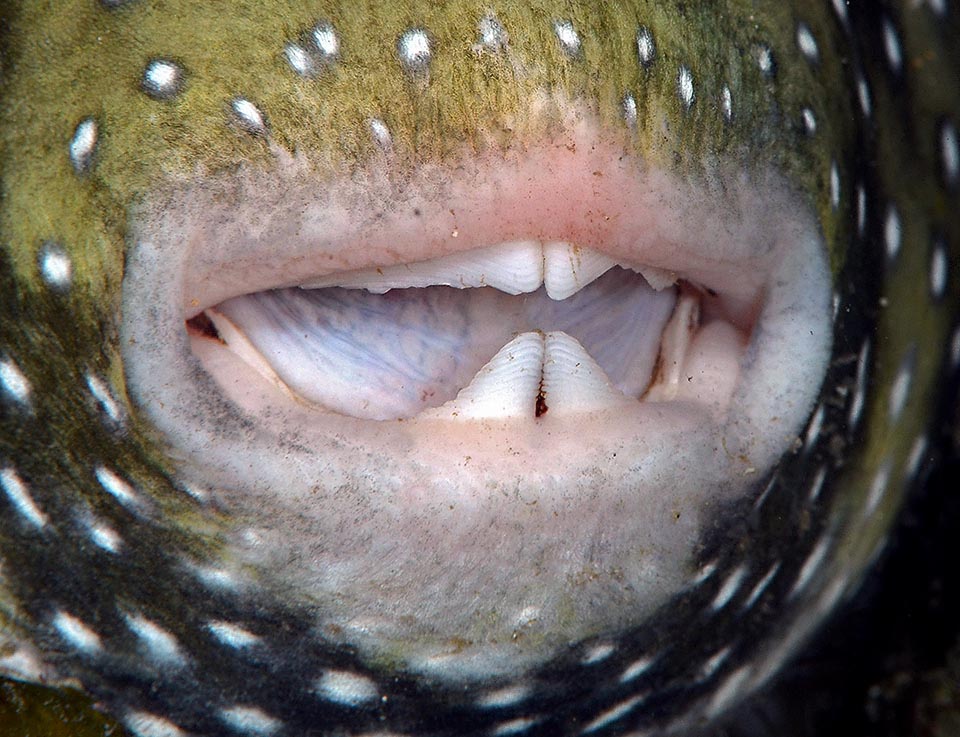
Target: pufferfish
[{"x": 466, "y": 367}]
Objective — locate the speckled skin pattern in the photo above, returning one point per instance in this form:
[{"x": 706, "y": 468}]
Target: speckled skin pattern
[{"x": 106, "y": 555}]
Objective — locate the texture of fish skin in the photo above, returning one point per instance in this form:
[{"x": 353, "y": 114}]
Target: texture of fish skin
[{"x": 852, "y": 102}]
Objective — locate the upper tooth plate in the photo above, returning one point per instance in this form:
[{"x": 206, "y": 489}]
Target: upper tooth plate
[{"x": 516, "y": 267}]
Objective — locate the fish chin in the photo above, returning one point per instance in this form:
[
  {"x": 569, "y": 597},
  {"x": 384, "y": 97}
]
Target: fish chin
[{"x": 540, "y": 497}]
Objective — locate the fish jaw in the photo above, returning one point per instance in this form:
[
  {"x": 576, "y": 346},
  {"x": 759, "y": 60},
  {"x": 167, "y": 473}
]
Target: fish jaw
[{"x": 429, "y": 532}]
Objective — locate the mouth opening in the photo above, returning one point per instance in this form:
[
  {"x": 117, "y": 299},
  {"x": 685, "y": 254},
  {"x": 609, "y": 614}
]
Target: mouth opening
[{"x": 515, "y": 330}]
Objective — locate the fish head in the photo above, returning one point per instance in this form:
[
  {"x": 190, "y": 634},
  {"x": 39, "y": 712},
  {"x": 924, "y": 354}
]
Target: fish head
[{"x": 460, "y": 369}]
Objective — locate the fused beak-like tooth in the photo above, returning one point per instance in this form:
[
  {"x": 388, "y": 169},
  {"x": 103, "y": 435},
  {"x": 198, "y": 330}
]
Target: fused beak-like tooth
[
  {"x": 515, "y": 268},
  {"x": 532, "y": 374},
  {"x": 507, "y": 386},
  {"x": 572, "y": 380},
  {"x": 567, "y": 268}
]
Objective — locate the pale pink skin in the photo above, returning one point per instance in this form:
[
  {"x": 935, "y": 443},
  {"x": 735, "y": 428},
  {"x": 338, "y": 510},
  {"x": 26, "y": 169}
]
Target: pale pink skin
[{"x": 515, "y": 536}]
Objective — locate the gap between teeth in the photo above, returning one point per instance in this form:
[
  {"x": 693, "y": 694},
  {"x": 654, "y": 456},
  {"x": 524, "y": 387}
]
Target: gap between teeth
[{"x": 516, "y": 267}]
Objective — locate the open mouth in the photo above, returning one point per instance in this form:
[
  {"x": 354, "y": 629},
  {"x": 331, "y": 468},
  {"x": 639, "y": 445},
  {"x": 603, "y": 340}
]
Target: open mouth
[
  {"x": 514, "y": 330},
  {"x": 453, "y": 395}
]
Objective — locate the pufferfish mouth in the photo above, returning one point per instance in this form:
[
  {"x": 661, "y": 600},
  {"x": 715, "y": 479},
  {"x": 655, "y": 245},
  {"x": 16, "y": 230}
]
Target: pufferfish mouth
[
  {"x": 506, "y": 390},
  {"x": 518, "y": 329}
]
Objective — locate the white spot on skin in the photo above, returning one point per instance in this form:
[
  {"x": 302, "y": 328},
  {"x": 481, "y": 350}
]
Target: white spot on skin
[
  {"x": 807, "y": 43},
  {"x": 834, "y": 186},
  {"x": 950, "y": 154},
  {"x": 813, "y": 428},
  {"x": 77, "y": 634},
  {"x": 713, "y": 664},
  {"x": 729, "y": 589},
  {"x": 728, "y": 692},
  {"x": 215, "y": 578},
  {"x": 955, "y": 348},
  {"x": 704, "y": 574},
  {"x": 726, "y": 103},
  {"x": 327, "y": 42},
  {"x": 816, "y": 486},
  {"x": 917, "y": 455},
  {"x": 414, "y": 50},
  {"x": 250, "y": 720},
  {"x": 299, "y": 60},
  {"x": 629, "y": 106},
  {"x": 104, "y": 398},
  {"x": 20, "y": 498},
  {"x": 863, "y": 94},
  {"x": 162, "y": 79},
  {"x": 343, "y": 687},
  {"x": 503, "y": 697},
  {"x": 493, "y": 36},
  {"x": 568, "y": 37},
  {"x": 891, "y": 44},
  {"x": 900, "y": 389},
  {"x": 248, "y": 116},
  {"x": 809, "y": 121},
  {"x": 811, "y": 565},
  {"x": 105, "y": 537},
  {"x": 117, "y": 487},
  {"x": 83, "y": 145},
  {"x": 765, "y": 61},
  {"x": 143, "y": 724},
  {"x": 761, "y": 586},
  {"x": 161, "y": 646},
  {"x": 685, "y": 87},
  {"x": 878, "y": 487},
  {"x": 55, "y": 266},
  {"x": 840, "y": 6},
  {"x": 514, "y": 726},
  {"x": 646, "y": 48},
  {"x": 637, "y": 668},
  {"x": 381, "y": 134},
  {"x": 938, "y": 271},
  {"x": 232, "y": 635},
  {"x": 892, "y": 233},
  {"x": 860, "y": 390},
  {"x": 14, "y": 383},
  {"x": 597, "y": 653},
  {"x": 613, "y": 714}
]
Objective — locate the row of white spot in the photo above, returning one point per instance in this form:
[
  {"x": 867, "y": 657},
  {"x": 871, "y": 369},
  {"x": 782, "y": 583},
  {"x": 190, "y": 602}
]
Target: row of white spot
[{"x": 337, "y": 686}]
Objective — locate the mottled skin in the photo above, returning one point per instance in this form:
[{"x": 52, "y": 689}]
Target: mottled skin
[{"x": 63, "y": 63}]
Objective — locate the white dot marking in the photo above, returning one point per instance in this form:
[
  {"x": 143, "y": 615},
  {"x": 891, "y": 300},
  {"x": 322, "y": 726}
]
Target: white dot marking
[
  {"x": 646, "y": 48},
  {"x": 104, "y": 398},
  {"x": 900, "y": 389},
  {"x": 117, "y": 487},
  {"x": 726, "y": 103},
  {"x": 891, "y": 44},
  {"x": 55, "y": 266},
  {"x": 758, "y": 590},
  {"x": 249, "y": 116},
  {"x": 76, "y": 633},
  {"x": 349, "y": 689},
  {"x": 811, "y": 565},
  {"x": 685, "y": 87},
  {"x": 250, "y": 720},
  {"x": 637, "y": 668},
  {"x": 729, "y": 589},
  {"x": 878, "y": 487},
  {"x": 567, "y": 36},
  {"x": 414, "y": 49},
  {"x": 807, "y": 43},
  {"x": 892, "y": 232},
  {"x": 161, "y": 644},
  {"x": 613, "y": 714},
  {"x": 83, "y": 144},
  {"x": 143, "y": 724},
  {"x": 20, "y": 497},
  {"x": 504, "y": 697},
  {"x": 950, "y": 153},
  {"x": 834, "y": 185},
  {"x": 938, "y": 271},
  {"x": 232, "y": 635},
  {"x": 15, "y": 384}
]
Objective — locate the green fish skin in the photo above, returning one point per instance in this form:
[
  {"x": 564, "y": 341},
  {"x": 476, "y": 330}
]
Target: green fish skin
[{"x": 456, "y": 368}]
